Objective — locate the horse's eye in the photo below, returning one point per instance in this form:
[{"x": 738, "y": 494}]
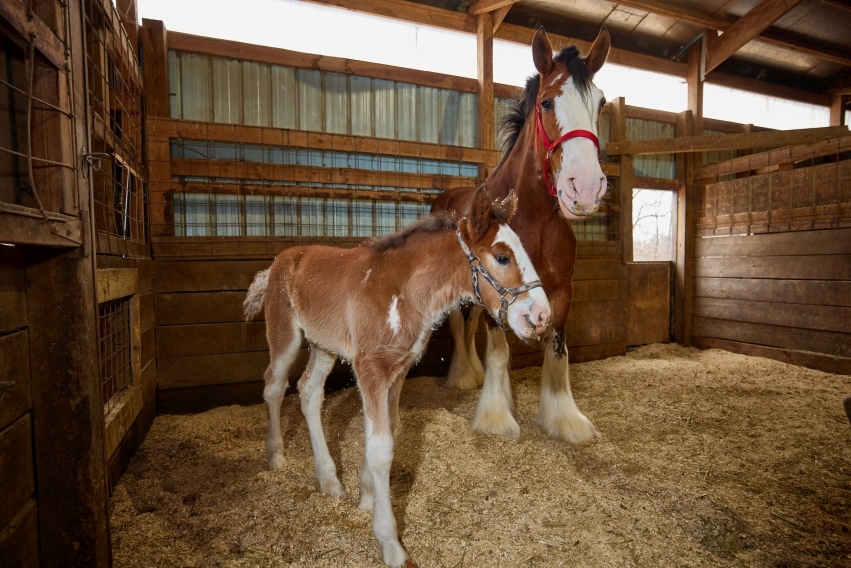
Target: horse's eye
[
  {"x": 503, "y": 260},
  {"x": 547, "y": 104}
]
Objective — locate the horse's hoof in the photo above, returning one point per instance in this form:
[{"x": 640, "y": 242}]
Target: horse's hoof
[
  {"x": 574, "y": 429},
  {"x": 502, "y": 424},
  {"x": 462, "y": 382},
  {"x": 333, "y": 489},
  {"x": 276, "y": 461}
]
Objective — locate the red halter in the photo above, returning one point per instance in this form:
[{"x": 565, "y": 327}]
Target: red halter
[{"x": 551, "y": 147}]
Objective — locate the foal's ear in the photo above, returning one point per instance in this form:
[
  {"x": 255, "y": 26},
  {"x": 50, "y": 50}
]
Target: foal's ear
[
  {"x": 542, "y": 52},
  {"x": 481, "y": 213},
  {"x": 599, "y": 51}
]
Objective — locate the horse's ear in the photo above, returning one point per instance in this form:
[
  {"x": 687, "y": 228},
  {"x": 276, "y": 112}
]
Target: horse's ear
[
  {"x": 542, "y": 52},
  {"x": 599, "y": 51},
  {"x": 480, "y": 212},
  {"x": 507, "y": 207}
]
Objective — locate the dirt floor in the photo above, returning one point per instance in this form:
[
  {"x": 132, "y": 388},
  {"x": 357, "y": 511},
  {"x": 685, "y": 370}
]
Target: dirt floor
[{"x": 706, "y": 459}]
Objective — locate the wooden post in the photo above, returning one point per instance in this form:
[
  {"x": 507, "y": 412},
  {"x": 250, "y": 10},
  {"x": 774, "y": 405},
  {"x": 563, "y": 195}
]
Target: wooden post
[
  {"x": 838, "y": 103},
  {"x": 68, "y": 417},
  {"x": 618, "y": 125},
  {"x": 686, "y": 223},
  {"x": 694, "y": 80},
  {"x": 484, "y": 50},
  {"x": 153, "y": 40}
]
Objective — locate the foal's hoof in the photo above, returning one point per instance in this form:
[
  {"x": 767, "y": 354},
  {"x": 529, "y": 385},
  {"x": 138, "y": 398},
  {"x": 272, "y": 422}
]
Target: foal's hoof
[{"x": 276, "y": 461}]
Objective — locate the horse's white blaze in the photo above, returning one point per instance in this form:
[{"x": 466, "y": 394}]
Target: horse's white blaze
[
  {"x": 579, "y": 179},
  {"x": 394, "y": 320}
]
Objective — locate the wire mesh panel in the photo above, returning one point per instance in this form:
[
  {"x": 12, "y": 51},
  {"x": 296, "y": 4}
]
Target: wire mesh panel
[
  {"x": 115, "y": 347},
  {"x": 114, "y": 83}
]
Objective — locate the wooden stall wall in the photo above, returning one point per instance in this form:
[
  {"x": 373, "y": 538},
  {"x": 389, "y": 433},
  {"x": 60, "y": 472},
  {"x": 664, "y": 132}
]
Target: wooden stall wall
[
  {"x": 208, "y": 152},
  {"x": 773, "y": 255}
]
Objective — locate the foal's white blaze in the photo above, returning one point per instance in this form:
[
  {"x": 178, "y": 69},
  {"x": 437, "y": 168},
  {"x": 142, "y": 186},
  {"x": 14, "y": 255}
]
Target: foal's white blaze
[
  {"x": 580, "y": 182},
  {"x": 533, "y": 303},
  {"x": 393, "y": 318}
]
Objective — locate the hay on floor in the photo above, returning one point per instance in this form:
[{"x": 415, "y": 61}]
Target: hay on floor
[{"x": 706, "y": 458}]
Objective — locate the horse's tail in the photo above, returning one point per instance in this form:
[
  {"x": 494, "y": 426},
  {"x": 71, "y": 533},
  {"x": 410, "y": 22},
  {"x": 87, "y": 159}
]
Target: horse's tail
[{"x": 253, "y": 302}]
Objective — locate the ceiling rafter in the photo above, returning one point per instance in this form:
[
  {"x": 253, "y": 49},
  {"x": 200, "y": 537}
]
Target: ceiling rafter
[
  {"x": 749, "y": 26},
  {"x": 499, "y": 8},
  {"x": 769, "y": 36}
]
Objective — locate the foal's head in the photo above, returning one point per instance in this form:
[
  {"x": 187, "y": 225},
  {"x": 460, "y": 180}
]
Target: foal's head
[
  {"x": 563, "y": 105},
  {"x": 497, "y": 248}
]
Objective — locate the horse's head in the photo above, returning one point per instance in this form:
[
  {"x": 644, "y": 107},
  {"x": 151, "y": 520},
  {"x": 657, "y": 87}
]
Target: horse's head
[
  {"x": 512, "y": 292},
  {"x": 567, "y": 111}
]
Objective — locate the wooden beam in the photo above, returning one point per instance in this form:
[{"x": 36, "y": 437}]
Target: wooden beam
[
  {"x": 694, "y": 81},
  {"x": 29, "y": 25},
  {"x": 485, "y": 6},
  {"x": 689, "y": 144},
  {"x": 759, "y": 18},
  {"x": 484, "y": 60}
]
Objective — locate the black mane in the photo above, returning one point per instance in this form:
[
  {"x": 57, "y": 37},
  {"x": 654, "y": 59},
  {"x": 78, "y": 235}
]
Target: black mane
[
  {"x": 428, "y": 224},
  {"x": 521, "y": 111}
]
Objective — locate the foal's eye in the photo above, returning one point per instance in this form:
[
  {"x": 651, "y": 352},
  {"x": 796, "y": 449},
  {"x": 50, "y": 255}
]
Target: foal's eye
[
  {"x": 503, "y": 260},
  {"x": 547, "y": 104}
]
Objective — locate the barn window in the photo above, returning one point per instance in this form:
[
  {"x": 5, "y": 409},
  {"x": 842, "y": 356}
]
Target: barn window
[
  {"x": 653, "y": 218},
  {"x": 115, "y": 349}
]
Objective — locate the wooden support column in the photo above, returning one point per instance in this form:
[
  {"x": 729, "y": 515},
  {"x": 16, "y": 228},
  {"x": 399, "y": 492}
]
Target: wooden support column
[
  {"x": 694, "y": 80},
  {"x": 686, "y": 222},
  {"x": 484, "y": 51},
  {"x": 626, "y": 180},
  {"x": 153, "y": 40},
  {"x": 68, "y": 420},
  {"x": 838, "y": 104}
]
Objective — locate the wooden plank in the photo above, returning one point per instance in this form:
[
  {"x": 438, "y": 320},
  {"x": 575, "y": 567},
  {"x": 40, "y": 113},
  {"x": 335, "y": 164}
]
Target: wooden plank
[
  {"x": 211, "y": 339},
  {"x": 32, "y": 229},
  {"x": 783, "y": 267},
  {"x": 649, "y": 305},
  {"x": 223, "y": 368},
  {"x": 600, "y": 269},
  {"x": 28, "y": 25},
  {"x": 19, "y": 539},
  {"x": 798, "y": 316},
  {"x": 15, "y": 400},
  {"x": 152, "y": 36},
  {"x": 200, "y": 307},
  {"x": 591, "y": 323},
  {"x": 832, "y": 343},
  {"x": 818, "y": 361},
  {"x": 600, "y": 290},
  {"x": 114, "y": 283},
  {"x": 121, "y": 418},
  {"x": 13, "y": 300},
  {"x": 583, "y": 353},
  {"x": 16, "y": 468},
  {"x": 830, "y": 242},
  {"x": 201, "y": 276},
  {"x": 776, "y": 157},
  {"x": 810, "y": 292},
  {"x": 688, "y": 144}
]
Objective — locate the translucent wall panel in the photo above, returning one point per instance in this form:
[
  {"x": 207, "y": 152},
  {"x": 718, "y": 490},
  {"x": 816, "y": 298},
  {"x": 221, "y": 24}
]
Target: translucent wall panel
[
  {"x": 285, "y": 211},
  {"x": 661, "y": 165},
  {"x": 284, "y": 97},
  {"x": 336, "y": 103},
  {"x": 256, "y": 216},
  {"x": 227, "y": 216},
  {"x": 255, "y": 94},
  {"x": 428, "y": 114},
  {"x": 194, "y": 103},
  {"x": 360, "y": 97},
  {"x": 226, "y": 90},
  {"x": 384, "y": 93},
  {"x": 309, "y": 100},
  {"x": 406, "y": 111}
]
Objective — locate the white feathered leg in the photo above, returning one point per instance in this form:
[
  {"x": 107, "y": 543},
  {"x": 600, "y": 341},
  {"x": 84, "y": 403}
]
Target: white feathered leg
[
  {"x": 495, "y": 411},
  {"x": 558, "y": 416}
]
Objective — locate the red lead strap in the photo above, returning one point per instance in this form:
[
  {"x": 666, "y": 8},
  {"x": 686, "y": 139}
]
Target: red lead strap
[{"x": 550, "y": 147}]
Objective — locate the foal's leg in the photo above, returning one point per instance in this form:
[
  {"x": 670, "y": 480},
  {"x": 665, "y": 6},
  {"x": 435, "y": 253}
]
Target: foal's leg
[
  {"x": 284, "y": 345},
  {"x": 494, "y": 413},
  {"x": 311, "y": 388},
  {"x": 375, "y": 391},
  {"x": 465, "y": 369},
  {"x": 559, "y": 416}
]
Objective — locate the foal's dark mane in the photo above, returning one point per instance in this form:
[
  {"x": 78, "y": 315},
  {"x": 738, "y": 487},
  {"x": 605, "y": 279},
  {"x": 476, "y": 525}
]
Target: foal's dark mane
[
  {"x": 512, "y": 124},
  {"x": 428, "y": 224}
]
